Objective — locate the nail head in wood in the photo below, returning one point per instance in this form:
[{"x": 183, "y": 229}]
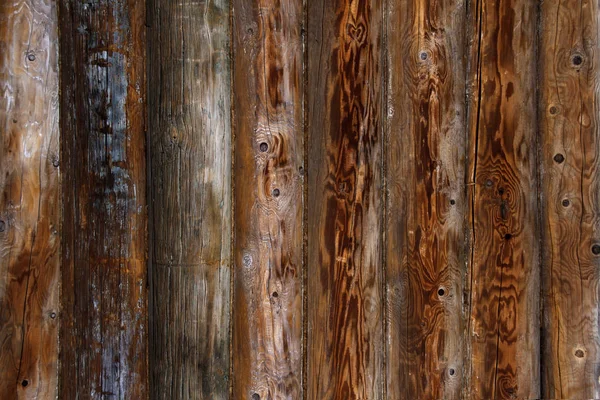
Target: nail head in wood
[{"x": 559, "y": 158}]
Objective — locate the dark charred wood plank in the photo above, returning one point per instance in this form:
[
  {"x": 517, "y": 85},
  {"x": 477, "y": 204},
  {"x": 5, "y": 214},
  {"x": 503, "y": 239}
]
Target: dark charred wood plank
[
  {"x": 269, "y": 160},
  {"x": 29, "y": 200},
  {"x": 104, "y": 246},
  {"x": 503, "y": 330},
  {"x": 569, "y": 117},
  {"x": 426, "y": 199},
  {"x": 190, "y": 188},
  {"x": 345, "y": 200}
]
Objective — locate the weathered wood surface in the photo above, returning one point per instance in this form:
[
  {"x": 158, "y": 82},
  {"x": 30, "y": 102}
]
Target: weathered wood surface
[
  {"x": 504, "y": 291},
  {"x": 190, "y": 186},
  {"x": 426, "y": 202},
  {"x": 29, "y": 200},
  {"x": 268, "y": 174},
  {"x": 345, "y": 138},
  {"x": 570, "y": 160},
  {"x": 104, "y": 329}
]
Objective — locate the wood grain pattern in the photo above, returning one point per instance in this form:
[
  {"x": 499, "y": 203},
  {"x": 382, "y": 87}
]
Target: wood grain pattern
[
  {"x": 190, "y": 186},
  {"x": 570, "y": 160},
  {"x": 503, "y": 328},
  {"x": 345, "y": 199},
  {"x": 426, "y": 197},
  {"x": 104, "y": 326},
  {"x": 269, "y": 160},
  {"x": 29, "y": 200}
]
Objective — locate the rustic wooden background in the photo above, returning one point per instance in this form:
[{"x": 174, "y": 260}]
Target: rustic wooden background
[{"x": 299, "y": 199}]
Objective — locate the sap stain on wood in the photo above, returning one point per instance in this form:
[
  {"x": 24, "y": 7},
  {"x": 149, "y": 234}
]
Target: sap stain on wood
[
  {"x": 190, "y": 185},
  {"x": 569, "y": 159},
  {"x": 269, "y": 149},
  {"x": 345, "y": 274},
  {"x": 29, "y": 200},
  {"x": 426, "y": 202},
  {"x": 503, "y": 328},
  {"x": 104, "y": 329}
]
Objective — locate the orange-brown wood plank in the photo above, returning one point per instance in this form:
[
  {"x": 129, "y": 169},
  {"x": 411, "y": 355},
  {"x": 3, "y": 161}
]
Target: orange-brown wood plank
[
  {"x": 269, "y": 160},
  {"x": 569, "y": 115},
  {"x": 190, "y": 186},
  {"x": 29, "y": 200},
  {"x": 426, "y": 199},
  {"x": 503, "y": 328},
  {"x": 103, "y": 294},
  {"x": 345, "y": 315}
]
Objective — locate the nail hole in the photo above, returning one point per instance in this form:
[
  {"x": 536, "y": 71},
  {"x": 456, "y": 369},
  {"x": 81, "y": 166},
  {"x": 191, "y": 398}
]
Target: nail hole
[
  {"x": 250, "y": 31},
  {"x": 553, "y": 110},
  {"x": 579, "y": 353},
  {"x": 14, "y": 121},
  {"x": 255, "y": 396},
  {"x": 566, "y": 203},
  {"x": 423, "y": 56},
  {"x": 501, "y": 191},
  {"x": 263, "y": 147},
  {"x": 276, "y": 192},
  {"x": 451, "y": 372},
  {"x": 25, "y": 383},
  {"x": 559, "y": 158},
  {"x": 275, "y": 294},
  {"x": 577, "y": 59},
  {"x": 441, "y": 291},
  {"x": 489, "y": 183},
  {"x": 452, "y": 202},
  {"x": 301, "y": 170},
  {"x": 55, "y": 163},
  {"x": 596, "y": 249},
  {"x": 31, "y": 57},
  {"x": 52, "y": 315},
  {"x": 2, "y": 226},
  {"x": 508, "y": 236}
]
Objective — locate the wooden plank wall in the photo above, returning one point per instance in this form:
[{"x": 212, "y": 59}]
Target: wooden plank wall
[
  {"x": 103, "y": 296},
  {"x": 268, "y": 181},
  {"x": 190, "y": 187},
  {"x": 301, "y": 199},
  {"x": 29, "y": 200}
]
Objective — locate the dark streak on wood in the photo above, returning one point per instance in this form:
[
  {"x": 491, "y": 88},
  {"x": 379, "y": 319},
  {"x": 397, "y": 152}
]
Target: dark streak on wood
[
  {"x": 104, "y": 325},
  {"x": 29, "y": 200},
  {"x": 268, "y": 93},
  {"x": 504, "y": 260},
  {"x": 190, "y": 187},
  {"x": 345, "y": 274},
  {"x": 570, "y": 155},
  {"x": 426, "y": 199}
]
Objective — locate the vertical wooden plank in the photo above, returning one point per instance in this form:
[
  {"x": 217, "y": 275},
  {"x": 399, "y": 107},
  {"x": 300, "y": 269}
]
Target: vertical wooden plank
[
  {"x": 269, "y": 156},
  {"x": 190, "y": 161},
  {"x": 426, "y": 197},
  {"x": 29, "y": 200},
  {"x": 503, "y": 264},
  {"x": 570, "y": 161},
  {"x": 104, "y": 330},
  {"x": 345, "y": 200}
]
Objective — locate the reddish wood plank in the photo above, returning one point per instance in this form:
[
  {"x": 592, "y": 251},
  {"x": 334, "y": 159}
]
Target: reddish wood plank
[
  {"x": 190, "y": 186},
  {"x": 504, "y": 261},
  {"x": 104, "y": 329},
  {"x": 426, "y": 200},
  {"x": 269, "y": 149},
  {"x": 570, "y": 162},
  {"x": 345, "y": 274},
  {"x": 29, "y": 200}
]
